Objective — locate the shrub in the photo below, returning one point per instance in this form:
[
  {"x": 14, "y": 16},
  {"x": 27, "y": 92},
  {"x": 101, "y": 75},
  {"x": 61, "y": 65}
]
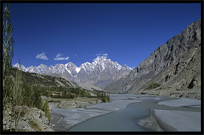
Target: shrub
[
  {"x": 152, "y": 85},
  {"x": 35, "y": 125},
  {"x": 46, "y": 109}
]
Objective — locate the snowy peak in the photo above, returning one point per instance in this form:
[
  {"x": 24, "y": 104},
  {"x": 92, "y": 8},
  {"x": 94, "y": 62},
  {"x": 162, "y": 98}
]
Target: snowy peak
[
  {"x": 42, "y": 66},
  {"x": 70, "y": 65},
  {"x": 87, "y": 66},
  {"x": 125, "y": 67},
  {"x": 20, "y": 67},
  {"x": 104, "y": 63},
  {"x": 100, "y": 70},
  {"x": 100, "y": 59},
  {"x": 16, "y": 65}
]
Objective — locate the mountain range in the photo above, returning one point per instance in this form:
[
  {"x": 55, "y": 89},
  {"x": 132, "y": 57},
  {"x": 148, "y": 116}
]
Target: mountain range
[
  {"x": 100, "y": 72},
  {"x": 175, "y": 66}
]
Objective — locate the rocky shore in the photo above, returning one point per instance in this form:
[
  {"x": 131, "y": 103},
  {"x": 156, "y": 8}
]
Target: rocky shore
[{"x": 34, "y": 120}]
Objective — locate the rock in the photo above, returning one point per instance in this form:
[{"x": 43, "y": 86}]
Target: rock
[
  {"x": 178, "y": 120},
  {"x": 67, "y": 104},
  {"x": 82, "y": 104},
  {"x": 174, "y": 65},
  {"x": 150, "y": 123},
  {"x": 32, "y": 114}
]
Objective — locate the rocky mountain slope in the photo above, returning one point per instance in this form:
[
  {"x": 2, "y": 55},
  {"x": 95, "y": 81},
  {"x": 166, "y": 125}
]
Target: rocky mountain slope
[
  {"x": 175, "y": 65},
  {"x": 52, "y": 81},
  {"x": 44, "y": 80},
  {"x": 100, "y": 72}
]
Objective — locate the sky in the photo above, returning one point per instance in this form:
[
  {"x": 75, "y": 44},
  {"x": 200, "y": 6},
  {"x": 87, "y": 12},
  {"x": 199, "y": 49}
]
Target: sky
[{"x": 58, "y": 33}]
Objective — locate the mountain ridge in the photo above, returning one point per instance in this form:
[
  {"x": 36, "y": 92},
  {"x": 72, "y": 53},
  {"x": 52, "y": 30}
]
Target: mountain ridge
[
  {"x": 166, "y": 57},
  {"x": 100, "y": 72}
]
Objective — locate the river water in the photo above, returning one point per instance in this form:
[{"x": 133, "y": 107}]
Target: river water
[
  {"x": 121, "y": 114},
  {"x": 127, "y": 118}
]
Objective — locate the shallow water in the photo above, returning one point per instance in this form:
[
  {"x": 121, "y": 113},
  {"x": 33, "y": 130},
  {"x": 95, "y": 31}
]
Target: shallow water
[
  {"x": 122, "y": 120},
  {"x": 127, "y": 118}
]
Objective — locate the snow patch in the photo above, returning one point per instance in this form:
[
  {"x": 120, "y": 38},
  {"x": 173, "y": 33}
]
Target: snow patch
[{"x": 78, "y": 69}]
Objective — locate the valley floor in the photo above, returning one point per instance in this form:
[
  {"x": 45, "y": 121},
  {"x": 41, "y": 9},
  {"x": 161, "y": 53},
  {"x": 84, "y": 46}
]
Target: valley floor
[{"x": 161, "y": 114}]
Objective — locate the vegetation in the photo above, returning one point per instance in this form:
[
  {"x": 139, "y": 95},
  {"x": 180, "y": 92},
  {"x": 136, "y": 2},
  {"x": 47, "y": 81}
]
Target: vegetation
[
  {"x": 104, "y": 97},
  {"x": 152, "y": 85},
  {"x": 35, "y": 125},
  {"x": 7, "y": 55},
  {"x": 64, "y": 92},
  {"x": 11, "y": 88},
  {"x": 19, "y": 112},
  {"x": 31, "y": 94},
  {"x": 22, "y": 89},
  {"x": 43, "y": 80},
  {"x": 17, "y": 94},
  {"x": 46, "y": 109}
]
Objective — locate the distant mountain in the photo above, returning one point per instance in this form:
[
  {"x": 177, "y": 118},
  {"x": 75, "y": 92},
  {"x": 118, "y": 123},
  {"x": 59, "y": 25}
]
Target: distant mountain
[
  {"x": 47, "y": 81},
  {"x": 44, "y": 80},
  {"x": 100, "y": 72},
  {"x": 175, "y": 65}
]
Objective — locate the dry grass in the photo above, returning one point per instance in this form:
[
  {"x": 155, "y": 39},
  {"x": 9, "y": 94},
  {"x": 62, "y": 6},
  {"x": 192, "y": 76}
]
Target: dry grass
[{"x": 35, "y": 125}]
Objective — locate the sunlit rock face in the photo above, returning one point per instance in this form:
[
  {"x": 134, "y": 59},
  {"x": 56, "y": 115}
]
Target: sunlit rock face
[{"x": 175, "y": 65}]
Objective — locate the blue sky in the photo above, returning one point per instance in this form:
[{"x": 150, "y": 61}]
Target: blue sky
[{"x": 51, "y": 33}]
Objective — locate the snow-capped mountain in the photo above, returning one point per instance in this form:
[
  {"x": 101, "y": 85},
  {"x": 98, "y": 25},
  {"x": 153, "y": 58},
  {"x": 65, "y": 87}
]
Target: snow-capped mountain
[{"x": 100, "y": 72}]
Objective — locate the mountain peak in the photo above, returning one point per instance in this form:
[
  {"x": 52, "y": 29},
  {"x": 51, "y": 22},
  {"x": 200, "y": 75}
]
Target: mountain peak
[
  {"x": 100, "y": 58},
  {"x": 174, "y": 65},
  {"x": 16, "y": 65},
  {"x": 100, "y": 70},
  {"x": 126, "y": 67},
  {"x": 42, "y": 65}
]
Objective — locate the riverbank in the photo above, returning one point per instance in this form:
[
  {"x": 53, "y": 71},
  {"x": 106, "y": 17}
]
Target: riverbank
[
  {"x": 66, "y": 119},
  {"x": 57, "y": 122},
  {"x": 171, "y": 120},
  {"x": 75, "y": 116},
  {"x": 79, "y": 102}
]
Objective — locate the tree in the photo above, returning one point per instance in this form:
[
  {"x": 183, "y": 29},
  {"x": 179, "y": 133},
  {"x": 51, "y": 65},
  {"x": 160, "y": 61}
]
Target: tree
[
  {"x": 17, "y": 89},
  {"x": 31, "y": 96},
  {"x": 7, "y": 59},
  {"x": 37, "y": 97},
  {"x": 16, "y": 98},
  {"x": 7, "y": 55},
  {"x": 47, "y": 110},
  {"x": 108, "y": 98}
]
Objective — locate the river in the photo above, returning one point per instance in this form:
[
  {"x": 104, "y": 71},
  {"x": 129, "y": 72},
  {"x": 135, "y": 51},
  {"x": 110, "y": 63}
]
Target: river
[{"x": 121, "y": 114}]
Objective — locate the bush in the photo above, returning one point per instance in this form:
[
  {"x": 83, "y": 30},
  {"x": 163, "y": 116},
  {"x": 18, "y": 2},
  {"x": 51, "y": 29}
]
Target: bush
[
  {"x": 152, "y": 85},
  {"x": 104, "y": 97},
  {"x": 35, "y": 125},
  {"x": 46, "y": 109}
]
